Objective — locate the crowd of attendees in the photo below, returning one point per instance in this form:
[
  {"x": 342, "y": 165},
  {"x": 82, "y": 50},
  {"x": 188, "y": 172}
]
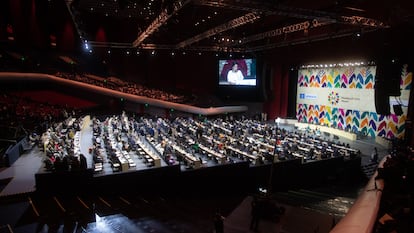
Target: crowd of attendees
[
  {"x": 22, "y": 116},
  {"x": 193, "y": 143},
  {"x": 61, "y": 146},
  {"x": 128, "y": 87}
]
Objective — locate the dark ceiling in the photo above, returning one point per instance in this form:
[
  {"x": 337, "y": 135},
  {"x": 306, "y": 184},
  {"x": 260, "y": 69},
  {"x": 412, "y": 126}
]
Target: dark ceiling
[{"x": 231, "y": 25}]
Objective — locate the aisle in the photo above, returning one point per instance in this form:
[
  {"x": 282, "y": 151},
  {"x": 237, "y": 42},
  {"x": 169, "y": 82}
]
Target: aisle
[{"x": 86, "y": 139}]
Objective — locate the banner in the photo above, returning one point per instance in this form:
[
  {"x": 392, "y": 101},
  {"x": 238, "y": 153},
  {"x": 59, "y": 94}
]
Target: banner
[{"x": 344, "y": 98}]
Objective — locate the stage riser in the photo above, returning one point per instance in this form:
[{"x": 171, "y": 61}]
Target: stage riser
[{"x": 238, "y": 177}]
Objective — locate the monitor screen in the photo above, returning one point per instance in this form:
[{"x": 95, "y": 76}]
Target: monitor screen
[{"x": 237, "y": 72}]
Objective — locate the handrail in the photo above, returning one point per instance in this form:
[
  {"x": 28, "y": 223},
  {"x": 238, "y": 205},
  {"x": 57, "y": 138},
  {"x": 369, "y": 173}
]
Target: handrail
[{"x": 363, "y": 214}]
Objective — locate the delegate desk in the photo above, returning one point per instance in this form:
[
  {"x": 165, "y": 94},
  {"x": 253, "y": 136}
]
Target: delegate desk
[
  {"x": 268, "y": 146},
  {"x": 346, "y": 150},
  {"x": 155, "y": 158},
  {"x": 337, "y": 132},
  {"x": 222, "y": 128},
  {"x": 220, "y": 158},
  {"x": 252, "y": 157},
  {"x": 195, "y": 163}
]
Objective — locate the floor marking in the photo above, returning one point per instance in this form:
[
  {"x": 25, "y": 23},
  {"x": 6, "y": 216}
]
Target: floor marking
[
  {"x": 105, "y": 202},
  {"x": 83, "y": 203},
  {"x": 34, "y": 207},
  {"x": 125, "y": 200},
  {"x": 59, "y": 204}
]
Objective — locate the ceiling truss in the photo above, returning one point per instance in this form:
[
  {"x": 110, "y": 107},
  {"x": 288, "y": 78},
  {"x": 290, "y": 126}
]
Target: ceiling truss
[
  {"x": 159, "y": 21},
  {"x": 237, "y": 22}
]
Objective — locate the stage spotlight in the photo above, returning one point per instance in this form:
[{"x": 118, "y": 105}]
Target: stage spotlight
[
  {"x": 153, "y": 52},
  {"x": 86, "y": 45}
]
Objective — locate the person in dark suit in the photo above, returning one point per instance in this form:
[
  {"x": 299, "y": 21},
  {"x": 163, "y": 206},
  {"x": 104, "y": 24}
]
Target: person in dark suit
[
  {"x": 218, "y": 222},
  {"x": 82, "y": 162},
  {"x": 256, "y": 212}
]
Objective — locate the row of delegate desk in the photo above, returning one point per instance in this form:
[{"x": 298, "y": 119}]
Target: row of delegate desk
[{"x": 191, "y": 159}]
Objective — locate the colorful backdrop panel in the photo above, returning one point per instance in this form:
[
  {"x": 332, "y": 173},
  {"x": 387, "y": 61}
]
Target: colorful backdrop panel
[{"x": 344, "y": 98}]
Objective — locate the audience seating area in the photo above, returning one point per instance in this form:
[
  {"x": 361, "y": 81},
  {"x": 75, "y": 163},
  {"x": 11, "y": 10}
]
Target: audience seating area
[
  {"x": 127, "y": 87},
  {"x": 23, "y": 117},
  {"x": 67, "y": 67},
  {"x": 190, "y": 143},
  {"x": 61, "y": 145}
]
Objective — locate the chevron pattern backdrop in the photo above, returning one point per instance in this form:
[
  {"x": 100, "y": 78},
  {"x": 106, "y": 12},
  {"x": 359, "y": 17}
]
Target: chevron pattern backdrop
[{"x": 369, "y": 123}]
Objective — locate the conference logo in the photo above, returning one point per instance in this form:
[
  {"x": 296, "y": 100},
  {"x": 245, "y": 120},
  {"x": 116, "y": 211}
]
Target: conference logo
[{"x": 333, "y": 98}]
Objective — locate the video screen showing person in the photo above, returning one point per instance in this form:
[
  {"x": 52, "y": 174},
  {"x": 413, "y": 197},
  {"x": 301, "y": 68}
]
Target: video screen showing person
[{"x": 239, "y": 72}]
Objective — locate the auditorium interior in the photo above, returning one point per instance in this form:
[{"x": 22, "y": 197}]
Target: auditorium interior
[{"x": 202, "y": 116}]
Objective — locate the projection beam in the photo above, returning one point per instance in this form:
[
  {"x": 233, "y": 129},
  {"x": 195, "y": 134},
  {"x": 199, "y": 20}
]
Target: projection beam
[
  {"x": 69, "y": 6},
  {"x": 159, "y": 21},
  {"x": 237, "y": 22}
]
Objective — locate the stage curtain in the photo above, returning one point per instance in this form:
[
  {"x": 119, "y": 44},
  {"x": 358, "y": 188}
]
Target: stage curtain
[{"x": 277, "y": 102}]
